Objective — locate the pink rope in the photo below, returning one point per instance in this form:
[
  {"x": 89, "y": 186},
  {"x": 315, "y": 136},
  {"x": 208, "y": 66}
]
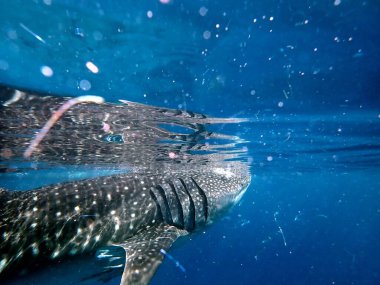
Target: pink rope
[{"x": 55, "y": 117}]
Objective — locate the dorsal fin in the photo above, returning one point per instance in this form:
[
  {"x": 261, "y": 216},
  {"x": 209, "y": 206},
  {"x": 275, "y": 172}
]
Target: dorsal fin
[{"x": 143, "y": 253}]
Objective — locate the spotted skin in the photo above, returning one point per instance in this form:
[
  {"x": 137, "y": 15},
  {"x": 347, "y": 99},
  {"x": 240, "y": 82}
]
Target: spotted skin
[{"x": 77, "y": 217}]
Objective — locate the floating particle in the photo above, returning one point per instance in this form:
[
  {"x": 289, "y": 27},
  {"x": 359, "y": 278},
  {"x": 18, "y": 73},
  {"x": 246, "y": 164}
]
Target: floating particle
[
  {"x": 280, "y": 104},
  {"x": 337, "y": 2},
  {"x": 48, "y": 2},
  {"x": 271, "y": 18},
  {"x": 149, "y": 14},
  {"x": 92, "y": 67},
  {"x": 165, "y": 1},
  {"x": 171, "y": 258},
  {"x": 79, "y": 32},
  {"x": 206, "y": 35},
  {"x": 217, "y": 26},
  {"x": 269, "y": 158},
  {"x": 85, "y": 85},
  {"x": 253, "y": 92},
  {"x": 106, "y": 127},
  {"x": 203, "y": 11},
  {"x": 255, "y": 20},
  {"x": 46, "y": 71}
]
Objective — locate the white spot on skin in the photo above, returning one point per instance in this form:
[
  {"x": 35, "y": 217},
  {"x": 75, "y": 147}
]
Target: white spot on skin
[
  {"x": 19, "y": 254},
  {"x": 35, "y": 249},
  {"x": 33, "y": 225},
  {"x": 109, "y": 197},
  {"x": 225, "y": 172},
  {"x": 55, "y": 254},
  {"x": 3, "y": 263},
  {"x": 117, "y": 227},
  {"x": 113, "y": 212}
]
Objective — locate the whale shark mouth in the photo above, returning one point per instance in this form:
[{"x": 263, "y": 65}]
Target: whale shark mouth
[{"x": 240, "y": 195}]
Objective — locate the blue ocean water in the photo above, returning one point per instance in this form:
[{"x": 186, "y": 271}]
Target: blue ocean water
[{"x": 306, "y": 74}]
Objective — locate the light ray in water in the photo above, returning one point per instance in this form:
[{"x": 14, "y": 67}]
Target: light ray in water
[
  {"x": 32, "y": 33},
  {"x": 279, "y": 228},
  {"x": 176, "y": 262}
]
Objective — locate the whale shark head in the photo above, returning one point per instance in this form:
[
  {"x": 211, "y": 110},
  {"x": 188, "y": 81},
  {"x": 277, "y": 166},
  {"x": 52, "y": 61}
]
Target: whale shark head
[{"x": 224, "y": 185}]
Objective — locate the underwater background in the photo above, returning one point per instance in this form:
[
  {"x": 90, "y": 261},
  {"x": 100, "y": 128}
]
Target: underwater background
[{"x": 306, "y": 74}]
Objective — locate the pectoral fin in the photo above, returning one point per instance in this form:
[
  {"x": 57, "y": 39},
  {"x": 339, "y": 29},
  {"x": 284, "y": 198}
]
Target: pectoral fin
[{"x": 143, "y": 253}]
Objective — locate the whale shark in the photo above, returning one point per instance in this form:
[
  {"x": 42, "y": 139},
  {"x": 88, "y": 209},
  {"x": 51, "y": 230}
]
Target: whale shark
[{"x": 175, "y": 182}]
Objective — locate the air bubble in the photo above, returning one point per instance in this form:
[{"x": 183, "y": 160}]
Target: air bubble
[
  {"x": 203, "y": 11},
  {"x": 85, "y": 85},
  {"x": 206, "y": 35}
]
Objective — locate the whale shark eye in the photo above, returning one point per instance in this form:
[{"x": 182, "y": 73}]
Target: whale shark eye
[{"x": 113, "y": 138}]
